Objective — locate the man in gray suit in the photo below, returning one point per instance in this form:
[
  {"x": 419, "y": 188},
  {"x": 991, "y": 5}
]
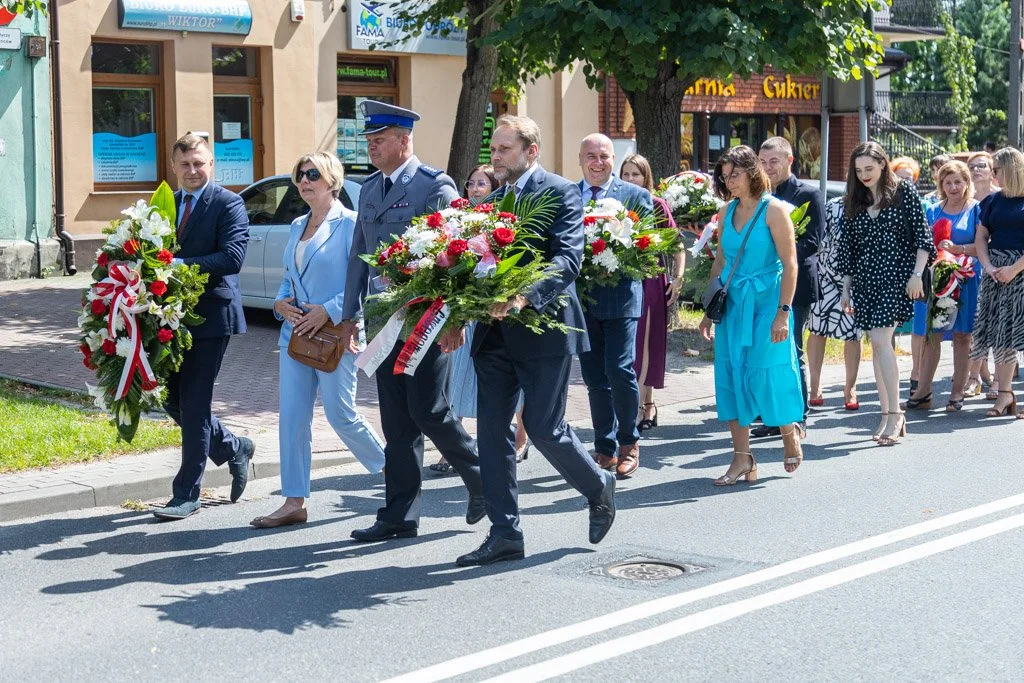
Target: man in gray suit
[
  {"x": 411, "y": 406},
  {"x": 612, "y": 315}
]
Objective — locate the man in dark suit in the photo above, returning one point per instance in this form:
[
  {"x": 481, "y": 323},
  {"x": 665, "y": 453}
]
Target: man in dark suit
[
  {"x": 411, "y": 406},
  {"x": 213, "y": 232},
  {"x": 776, "y": 155},
  {"x": 612, "y": 317},
  {"x": 509, "y": 358}
]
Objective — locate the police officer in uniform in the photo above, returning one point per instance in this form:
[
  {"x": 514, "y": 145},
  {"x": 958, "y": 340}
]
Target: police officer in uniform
[{"x": 416, "y": 405}]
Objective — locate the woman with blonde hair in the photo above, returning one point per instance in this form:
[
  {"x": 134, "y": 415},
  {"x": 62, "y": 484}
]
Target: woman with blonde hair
[
  {"x": 985, "y": 184},
  {"x": 1000, "y": 245},
  {"x": 311, "y": 294}
]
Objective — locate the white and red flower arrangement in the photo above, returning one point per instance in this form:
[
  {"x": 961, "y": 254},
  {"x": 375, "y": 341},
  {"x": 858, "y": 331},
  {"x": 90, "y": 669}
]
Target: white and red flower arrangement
[
  {"x": 134, "y": 316},
  {"x": 691, "y": 197},
  {"x": 620, "y": 243},
  {"x": 449, "y": 267},
  {"x": 949, "y": 272}
]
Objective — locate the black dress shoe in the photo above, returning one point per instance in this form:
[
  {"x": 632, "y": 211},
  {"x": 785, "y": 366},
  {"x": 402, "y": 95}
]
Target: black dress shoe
[
  {"x": 494, "y": 549},
  {"x": 602, "y": 510},
  {"x": 382, "y": 531},
  {"x": 239, "y": 467},
  {"x": 476, "y": 510},
  {"x": 761, "y": 431}
]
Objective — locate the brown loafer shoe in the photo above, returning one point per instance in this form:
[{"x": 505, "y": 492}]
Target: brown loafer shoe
[
  {"x": 297, "y": 517},
  {"x": 605, "y": 462},
  {"x": 629, "y": 460}
]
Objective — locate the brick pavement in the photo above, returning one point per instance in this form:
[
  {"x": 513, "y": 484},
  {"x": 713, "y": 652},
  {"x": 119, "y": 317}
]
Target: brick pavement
[{"x": 38, "y": 343}]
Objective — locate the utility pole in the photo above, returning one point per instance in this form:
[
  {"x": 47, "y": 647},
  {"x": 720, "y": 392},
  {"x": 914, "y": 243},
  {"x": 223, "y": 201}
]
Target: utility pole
[{"x": 1015, "y": 114}]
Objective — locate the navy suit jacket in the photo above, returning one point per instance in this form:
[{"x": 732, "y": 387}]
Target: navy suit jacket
[
  {"x": 562, "y": 246},
  {"x": 796, "y": 193},
  {"x": 216, "y": 237},
  {"x": 626, "y": 299}
]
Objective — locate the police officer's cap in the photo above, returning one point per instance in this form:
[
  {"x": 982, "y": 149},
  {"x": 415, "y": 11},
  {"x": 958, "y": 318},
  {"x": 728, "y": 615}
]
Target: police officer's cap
[{"x": 380, "y": 116}]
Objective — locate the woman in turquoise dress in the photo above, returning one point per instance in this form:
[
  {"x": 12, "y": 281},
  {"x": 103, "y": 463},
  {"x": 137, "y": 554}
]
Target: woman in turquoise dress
[{"x": 756, "y": 372}]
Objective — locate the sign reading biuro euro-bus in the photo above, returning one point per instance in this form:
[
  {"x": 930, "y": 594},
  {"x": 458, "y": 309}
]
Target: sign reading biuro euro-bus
[
  {"x": 202, "y": 16},
  {"x": 375, "y": 26}
]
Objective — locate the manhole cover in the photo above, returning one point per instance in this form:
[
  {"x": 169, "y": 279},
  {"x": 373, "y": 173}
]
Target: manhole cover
[{"x": 649, "y": 570}]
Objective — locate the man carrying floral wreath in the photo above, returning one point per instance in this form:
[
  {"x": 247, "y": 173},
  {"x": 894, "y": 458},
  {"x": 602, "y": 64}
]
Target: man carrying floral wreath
[
  {"x": 212, "y": 232},
  {"x": 416, "y": 405}
]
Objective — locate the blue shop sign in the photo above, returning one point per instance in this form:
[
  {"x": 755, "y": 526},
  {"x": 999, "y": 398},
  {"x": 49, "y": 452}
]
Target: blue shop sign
[{"x": 208, "y": 16}]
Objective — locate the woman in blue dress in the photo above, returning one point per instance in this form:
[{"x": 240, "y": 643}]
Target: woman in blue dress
[
  {"x": 756, "y": 372},
  {"x": 956, "y": 204}
]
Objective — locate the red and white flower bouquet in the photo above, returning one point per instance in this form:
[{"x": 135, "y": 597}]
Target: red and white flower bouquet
[
  {"x": 691, "y": 197},
  {"x": 134, "y": 314}
]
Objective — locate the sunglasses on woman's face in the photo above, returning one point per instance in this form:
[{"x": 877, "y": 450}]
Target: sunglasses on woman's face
[
  {"x": 311, "y": 173},
  {"x": 978, "y": 167}
]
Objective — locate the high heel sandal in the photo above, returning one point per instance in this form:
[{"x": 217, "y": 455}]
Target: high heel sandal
[
  {"x": 1009, "y": 409},
  {"x": 881, "y": 428},
  {"x": 648, "y": 422},
  {"x": 897, "y": 434},
  {"x": 788, "y": 457},
  {"x": 919, "y": 403},
  {"x": 524, "y": 452},
  {"x": 750, "y": 474}
]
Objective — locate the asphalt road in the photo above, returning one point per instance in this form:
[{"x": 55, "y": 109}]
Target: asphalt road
[{"x": 894, "y": 564}]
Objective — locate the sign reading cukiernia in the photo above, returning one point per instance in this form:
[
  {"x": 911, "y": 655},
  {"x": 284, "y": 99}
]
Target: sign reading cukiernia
[
  {"x": 203, "y": 16},
  {"x": 375, "y": 25}
]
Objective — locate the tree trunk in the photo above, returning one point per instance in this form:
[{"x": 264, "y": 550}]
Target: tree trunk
[
  {"x": 656, "y": 111},
  {"x": 477, "y": 83}
]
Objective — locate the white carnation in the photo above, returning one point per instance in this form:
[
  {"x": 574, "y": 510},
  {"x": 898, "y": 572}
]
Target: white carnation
[
  {"x": 420, "y": 243},
  {"x": 124, "y": 347},
  {"x": 607, "y": 260},
  {"x": 613, "y": 206},
  {"x": 425, "y": 262}
]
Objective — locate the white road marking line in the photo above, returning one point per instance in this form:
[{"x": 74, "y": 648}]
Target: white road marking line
[
  {"x": 717, "y": 615},
  {"x": 644, "y": 610}
]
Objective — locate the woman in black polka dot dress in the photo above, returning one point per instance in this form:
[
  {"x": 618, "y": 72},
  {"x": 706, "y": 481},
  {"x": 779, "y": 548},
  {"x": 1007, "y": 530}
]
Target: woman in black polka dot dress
[{"x": 885, "y": 246}]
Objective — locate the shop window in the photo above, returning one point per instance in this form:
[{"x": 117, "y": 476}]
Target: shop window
[
  {"x": 360, "y": 80},
  {"x": 240, "y": 62},
  {"x": 237, "y": 117},
  {"x": 126, "y": 103}
]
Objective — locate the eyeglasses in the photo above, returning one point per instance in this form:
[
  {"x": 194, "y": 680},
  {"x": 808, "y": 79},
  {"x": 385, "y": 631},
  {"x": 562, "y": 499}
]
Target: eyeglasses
[
  {"x": 977, "y": 167},
  {"x": 311, "y": 173},
  {"x": 478, "y": 183},
  {"x": 734, "y": 175}
]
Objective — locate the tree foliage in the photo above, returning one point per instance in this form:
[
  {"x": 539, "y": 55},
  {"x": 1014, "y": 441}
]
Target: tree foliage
[
  {"x": 26, "y": 7},
  {"x": 956, "y": 53}
]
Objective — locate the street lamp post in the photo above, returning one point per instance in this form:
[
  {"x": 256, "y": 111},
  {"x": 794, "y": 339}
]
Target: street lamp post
[{"x": 1015, "y": 115}]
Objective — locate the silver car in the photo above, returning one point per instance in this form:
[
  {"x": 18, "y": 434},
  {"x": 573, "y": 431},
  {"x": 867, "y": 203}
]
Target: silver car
[{"x": 272, "y": 204}]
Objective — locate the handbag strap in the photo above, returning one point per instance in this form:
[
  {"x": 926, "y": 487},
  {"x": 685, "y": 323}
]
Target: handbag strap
[{"x": 743, "y": 244}]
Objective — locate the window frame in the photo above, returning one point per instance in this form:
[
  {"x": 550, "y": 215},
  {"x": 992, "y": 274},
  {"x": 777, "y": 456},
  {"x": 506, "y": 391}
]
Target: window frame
[
  {"x": 250, "y": 86},
  {"x": 154, "y": 82}
]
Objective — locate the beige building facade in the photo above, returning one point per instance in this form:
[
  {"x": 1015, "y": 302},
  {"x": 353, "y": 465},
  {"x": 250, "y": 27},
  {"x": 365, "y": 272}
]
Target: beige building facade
[{"x": 267, "y": 81}]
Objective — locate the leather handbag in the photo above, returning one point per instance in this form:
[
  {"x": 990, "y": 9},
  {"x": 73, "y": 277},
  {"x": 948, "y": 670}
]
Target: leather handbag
[
  {"x": 714, "y": 297},
  {"x": 321, "y": 350}
]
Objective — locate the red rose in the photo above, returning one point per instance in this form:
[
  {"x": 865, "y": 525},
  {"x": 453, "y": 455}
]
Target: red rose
[
  {"x": 102, "y": 259},
  {"x": 460, "y": 203},
  {"x": 109, "y": 347},
  {"x": 507, "y": 216},
  {"x": 484, "y": 208},
  {"x": 131, "y": 247},
  {"x": 382, "y": 258},
  {"x": 456, "y": 247},
  {"x": 88, "y": 363},
  {"x": 86, "y": 351},
  {"x": 598, "y": 246},
  {"x": 98, "y": 307},
  {"x": 164, "y": 256},
  {"x": 589, "y": 220},
  {"x": 164, "y": 335},
  {"x": 643, "y": 242},
  {"x": 503, "y": 236},
  {"x": 697, "y": 180},
  {"x": 158, "y": 288},
  {"x": 435, "y": 220},
  {"x": 396, "y": 248}
]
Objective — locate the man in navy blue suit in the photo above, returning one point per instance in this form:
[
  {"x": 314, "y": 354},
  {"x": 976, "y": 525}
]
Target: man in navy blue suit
[
  {"x": 612, "y": 314},
  {"x": 509, "y": 358},
  {"x": 213, "y": 232}
]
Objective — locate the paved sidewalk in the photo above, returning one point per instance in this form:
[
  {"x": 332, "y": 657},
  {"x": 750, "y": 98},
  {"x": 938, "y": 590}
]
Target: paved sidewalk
[{"x": 38, "y": 344}]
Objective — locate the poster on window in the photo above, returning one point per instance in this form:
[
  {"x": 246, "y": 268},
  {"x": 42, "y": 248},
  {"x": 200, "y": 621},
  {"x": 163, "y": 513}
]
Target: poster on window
[
  {"x": 232, "y": 162},
  {"x": 119, "y": 159}
]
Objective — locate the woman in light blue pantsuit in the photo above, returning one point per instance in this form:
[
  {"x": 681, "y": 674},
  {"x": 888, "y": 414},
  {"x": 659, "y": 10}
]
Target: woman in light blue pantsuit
[{"x": 311, "y": 294}]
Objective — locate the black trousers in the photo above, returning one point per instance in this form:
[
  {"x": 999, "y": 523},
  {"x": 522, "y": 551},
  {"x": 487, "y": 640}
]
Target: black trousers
[
  {"x": 411, "y": 407},
  {"x": 801, "y": 314},
  {"x": 189, "y": 397},
  {"x": 545, "y": 384}
]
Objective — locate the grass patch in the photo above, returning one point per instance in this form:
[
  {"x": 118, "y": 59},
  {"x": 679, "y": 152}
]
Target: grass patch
[{"x": 48, "y": 427}]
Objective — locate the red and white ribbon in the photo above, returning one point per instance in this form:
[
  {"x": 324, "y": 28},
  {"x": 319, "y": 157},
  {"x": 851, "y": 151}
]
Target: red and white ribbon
[
  {"x": 121, "y": 290},
  {"x": 964, "y": 271},
  {"x": 415, "y": 347}
]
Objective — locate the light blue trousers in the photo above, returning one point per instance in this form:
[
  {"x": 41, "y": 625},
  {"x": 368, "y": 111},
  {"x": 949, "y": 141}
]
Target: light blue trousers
[{"x": 299, "y": 384}]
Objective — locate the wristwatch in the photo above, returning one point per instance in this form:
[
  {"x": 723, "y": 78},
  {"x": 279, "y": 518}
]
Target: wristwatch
[
  {"x": 919, "y": 274},
  {"x": 786, "y": 308}
]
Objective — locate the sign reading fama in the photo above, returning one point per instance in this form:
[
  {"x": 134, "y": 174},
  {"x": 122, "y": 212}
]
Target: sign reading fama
[{"x": 202, "y": 16}]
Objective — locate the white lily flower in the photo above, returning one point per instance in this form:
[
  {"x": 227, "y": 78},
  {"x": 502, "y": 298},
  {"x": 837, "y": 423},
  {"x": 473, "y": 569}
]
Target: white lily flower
[{"x": 619, "y": 232}]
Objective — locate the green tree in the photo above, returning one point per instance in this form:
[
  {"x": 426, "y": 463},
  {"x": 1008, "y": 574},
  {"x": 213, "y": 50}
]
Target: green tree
[
  {"x": 658, "y": 48},
  {"x": 956, "y": 53},
  {"x": 26, "y": 7}
]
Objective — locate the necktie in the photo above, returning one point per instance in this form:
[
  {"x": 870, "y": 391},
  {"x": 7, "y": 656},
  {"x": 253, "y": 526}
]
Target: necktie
[
  {"x": 185, "y": 216},
  {"x": 594, "y": 191},
  {"x": 388, "y": 184}
]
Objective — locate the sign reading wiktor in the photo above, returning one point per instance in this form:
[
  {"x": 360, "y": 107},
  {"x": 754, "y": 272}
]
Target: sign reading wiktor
[
  {"x": 208, "y": 16},
  {"x": 375, "y": 26}
]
